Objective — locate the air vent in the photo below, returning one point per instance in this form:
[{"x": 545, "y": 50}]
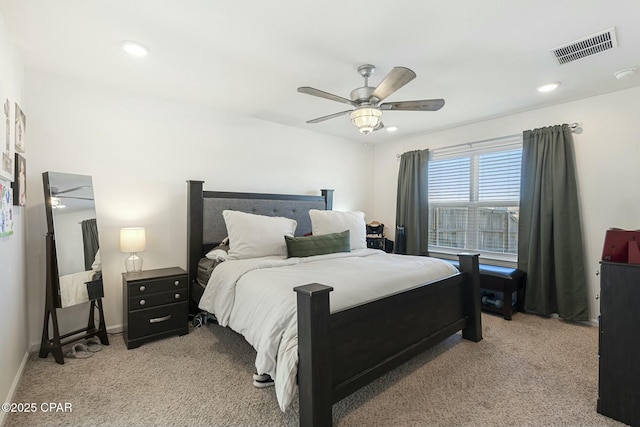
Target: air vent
[{"x": 586, "y": 46}]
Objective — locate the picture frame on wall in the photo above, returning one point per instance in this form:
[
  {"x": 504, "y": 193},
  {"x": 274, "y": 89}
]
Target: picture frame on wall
[
  {"x": 20, "y": 129},
  {"x": 6, "y": 210},
  {"x": 6, "y": 145},
  {"x": 19, "y": 185}
]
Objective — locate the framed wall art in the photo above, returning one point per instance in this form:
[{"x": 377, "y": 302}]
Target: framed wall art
[
  {"x": 20, "y": 129},
  {"x": 6, "y": 144},
  {"x": 6, "y": 210}
]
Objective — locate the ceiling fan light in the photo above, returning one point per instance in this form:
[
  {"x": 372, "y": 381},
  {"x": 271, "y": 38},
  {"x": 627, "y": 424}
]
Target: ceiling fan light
[
  {"x": 366, "y": 119},
  {"x": 56, "y": 203}
]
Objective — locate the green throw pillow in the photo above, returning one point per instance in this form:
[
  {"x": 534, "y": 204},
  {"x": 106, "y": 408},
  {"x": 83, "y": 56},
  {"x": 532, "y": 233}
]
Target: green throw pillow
[{"x": 318, "y": 245}]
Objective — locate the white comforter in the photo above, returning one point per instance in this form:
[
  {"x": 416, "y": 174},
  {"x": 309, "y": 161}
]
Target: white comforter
[
  {"x": 255, "y": 298},
  {"x": 73, "y": 288}
]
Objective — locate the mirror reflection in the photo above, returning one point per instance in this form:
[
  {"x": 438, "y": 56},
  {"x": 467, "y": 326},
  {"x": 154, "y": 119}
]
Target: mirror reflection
[{"x": 72, "y": 209}]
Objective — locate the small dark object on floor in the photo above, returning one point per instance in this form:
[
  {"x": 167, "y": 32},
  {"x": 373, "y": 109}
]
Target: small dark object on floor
[
  {"x": 78, "y": 351},
  {"x": 203, "y": 318},
  {"x": 93, "y": 344},
  {"x": 262, "y": 381}
]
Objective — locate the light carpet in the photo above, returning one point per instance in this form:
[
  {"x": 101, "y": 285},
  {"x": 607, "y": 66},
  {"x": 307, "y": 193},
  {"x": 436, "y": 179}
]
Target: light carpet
[{"x": 531, "y": 371}]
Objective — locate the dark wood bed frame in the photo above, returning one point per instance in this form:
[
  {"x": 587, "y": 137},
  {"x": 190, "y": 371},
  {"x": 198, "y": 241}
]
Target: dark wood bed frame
[{"x": 341, "y": 352}]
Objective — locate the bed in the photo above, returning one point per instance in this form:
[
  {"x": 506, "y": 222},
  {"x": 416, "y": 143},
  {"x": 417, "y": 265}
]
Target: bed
[{"x": 340, "y": 350}]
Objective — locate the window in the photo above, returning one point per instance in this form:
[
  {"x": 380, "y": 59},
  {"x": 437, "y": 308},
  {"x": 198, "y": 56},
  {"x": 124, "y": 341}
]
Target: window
[{"x": 474, "y": 194}]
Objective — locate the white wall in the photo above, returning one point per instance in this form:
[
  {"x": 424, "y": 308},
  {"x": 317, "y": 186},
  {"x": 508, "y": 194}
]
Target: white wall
[
  {"x": 140, "y": 152},
  {"x": 13, "y": 318},
  {"x": 607, "y": 157}
]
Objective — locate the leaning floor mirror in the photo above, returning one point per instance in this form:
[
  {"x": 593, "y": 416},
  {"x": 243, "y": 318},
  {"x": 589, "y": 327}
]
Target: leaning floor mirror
[{"x": 74, "y": 268}]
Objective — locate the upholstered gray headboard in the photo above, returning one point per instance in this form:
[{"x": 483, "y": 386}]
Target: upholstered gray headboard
[
  {"x": 214, "y": 229},
  {"x": 206, "y": 227}
]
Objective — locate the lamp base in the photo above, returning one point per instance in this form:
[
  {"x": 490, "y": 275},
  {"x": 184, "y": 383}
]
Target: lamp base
[{"x": 133, "y": 263}]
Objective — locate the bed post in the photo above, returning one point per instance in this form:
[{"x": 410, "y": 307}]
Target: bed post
[
  {"x": 314, "y": 364},
  {"x": 328, "y": 199},
  {"x": 194, "y": 227},
  {"x": 469, "y": 264}
]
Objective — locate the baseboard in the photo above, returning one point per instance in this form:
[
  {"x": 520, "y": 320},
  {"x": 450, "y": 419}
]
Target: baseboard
[
  {"x": 14, "y": 387},
  {"x": 115, "y": 329},
  {"x": 590, "y": 322}
]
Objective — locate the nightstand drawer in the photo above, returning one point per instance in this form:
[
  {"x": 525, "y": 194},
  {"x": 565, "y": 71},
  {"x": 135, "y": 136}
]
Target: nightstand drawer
[
  {"x": 155, "y": 299},
  {"x": 140, "y": 288},
  {"x": 157, "y": 320}
]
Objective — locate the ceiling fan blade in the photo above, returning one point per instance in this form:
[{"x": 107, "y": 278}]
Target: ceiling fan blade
[
  {"x": 75, "y": 198},
  {"x": 330, "y": 116},
  {"x": 55, "y": 193},
  {"x": 397, "y": 77},
  {"x": 422, "y": 105},
  {"x": 326, "y": 95}
]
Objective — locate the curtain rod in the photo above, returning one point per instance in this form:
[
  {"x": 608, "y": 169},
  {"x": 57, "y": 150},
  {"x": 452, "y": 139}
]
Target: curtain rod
[{"x": 573, "y": 127}]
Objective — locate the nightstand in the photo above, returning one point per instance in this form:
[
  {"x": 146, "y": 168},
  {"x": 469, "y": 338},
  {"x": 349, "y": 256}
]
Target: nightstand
[{"x": 156, "y": 305}]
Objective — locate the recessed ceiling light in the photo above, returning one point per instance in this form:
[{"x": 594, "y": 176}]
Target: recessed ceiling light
[
  {"x": 391, "y": 128},
  {"x": 624, "y": 74},
  {"x": 549, "y": 87},
  {"x": 135, "y": 48}
]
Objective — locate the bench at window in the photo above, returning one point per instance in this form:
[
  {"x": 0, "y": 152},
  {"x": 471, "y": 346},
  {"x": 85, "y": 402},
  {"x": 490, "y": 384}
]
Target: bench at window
[{"x": 502, "y": 289}]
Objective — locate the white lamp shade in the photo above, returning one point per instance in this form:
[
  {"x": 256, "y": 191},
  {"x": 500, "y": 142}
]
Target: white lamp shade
[
  {"x": 366, "y": 119},
  {"x": 132, "y": 239}
]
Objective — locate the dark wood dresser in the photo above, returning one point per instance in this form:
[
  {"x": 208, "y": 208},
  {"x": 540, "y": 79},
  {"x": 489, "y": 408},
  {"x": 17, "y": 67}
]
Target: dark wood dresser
[
  {"x": 156, "y": 305},
  {"x": 619, "y": 352}
]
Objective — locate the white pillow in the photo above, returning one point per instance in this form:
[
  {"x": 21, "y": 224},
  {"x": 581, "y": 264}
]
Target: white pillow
[
  {"x": 97, "y": 262},
  {"x": 327, "y": 222},
  {"x": 253, "y": 236}
]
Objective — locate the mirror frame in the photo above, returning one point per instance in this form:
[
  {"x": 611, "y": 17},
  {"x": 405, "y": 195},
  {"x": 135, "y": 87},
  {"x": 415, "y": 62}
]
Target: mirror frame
[
  {"x": 52, "y": 257},
  {"x": 94, "y": 286}
]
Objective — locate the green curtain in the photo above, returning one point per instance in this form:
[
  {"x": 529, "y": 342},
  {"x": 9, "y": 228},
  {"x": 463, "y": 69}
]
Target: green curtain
[
  {"x": 412, "y": 208},
  {"x": 550, "y": 246}
]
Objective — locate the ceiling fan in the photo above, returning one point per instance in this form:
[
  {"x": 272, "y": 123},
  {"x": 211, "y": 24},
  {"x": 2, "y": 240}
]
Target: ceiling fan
[
  {"x": 57, "y": 193},
  {"x": 367, "y": 114}
]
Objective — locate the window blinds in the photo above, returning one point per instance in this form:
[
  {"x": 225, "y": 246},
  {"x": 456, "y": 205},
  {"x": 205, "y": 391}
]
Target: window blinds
[{"x": 474, "y": 194}]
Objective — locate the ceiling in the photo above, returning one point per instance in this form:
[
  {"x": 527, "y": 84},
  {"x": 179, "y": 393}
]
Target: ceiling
[{"x": 485, "y": 58}]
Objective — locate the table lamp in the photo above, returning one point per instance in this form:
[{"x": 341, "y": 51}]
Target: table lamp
[{"x": 132, "y": 240}]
